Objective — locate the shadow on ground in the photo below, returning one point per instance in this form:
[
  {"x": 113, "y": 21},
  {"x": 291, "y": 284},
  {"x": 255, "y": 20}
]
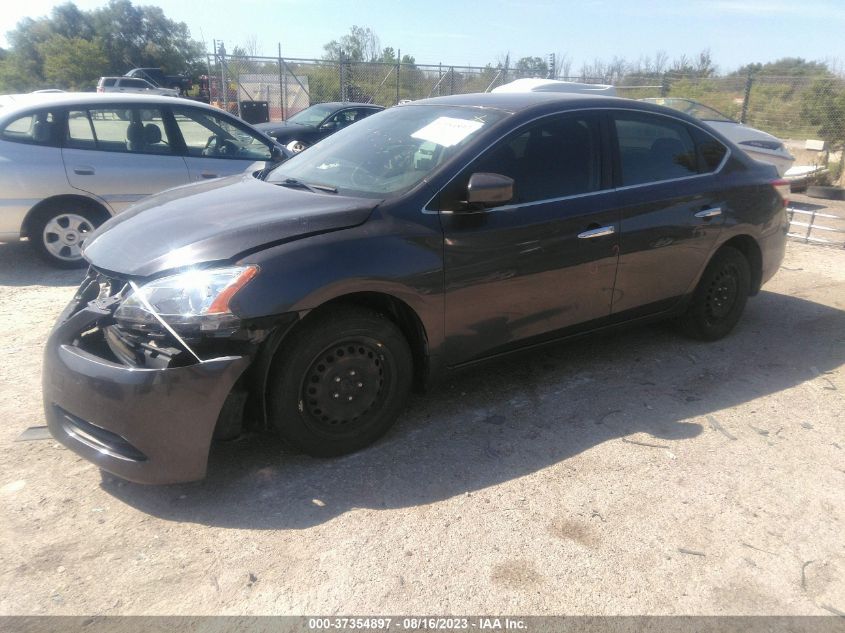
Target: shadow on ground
[
  {"x": 513, "y": 417},
  {"x": 20, "y": 266}
]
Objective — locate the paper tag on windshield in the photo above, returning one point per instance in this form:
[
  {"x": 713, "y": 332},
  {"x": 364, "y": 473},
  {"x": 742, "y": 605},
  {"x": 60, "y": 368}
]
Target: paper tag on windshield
[{"x": 447, "y": 131}]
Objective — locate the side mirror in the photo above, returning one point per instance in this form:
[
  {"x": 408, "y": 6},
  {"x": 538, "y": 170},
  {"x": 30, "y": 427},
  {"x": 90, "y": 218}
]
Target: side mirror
[
  {"x": 330, "y": 125},
  {"x": 278, "y": 154},
  {"x": 489, "y": 190}
]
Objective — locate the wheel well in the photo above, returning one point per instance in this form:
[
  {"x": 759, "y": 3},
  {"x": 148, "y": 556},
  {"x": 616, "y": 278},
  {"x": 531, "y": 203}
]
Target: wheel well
[
  {"x": 61, "y": 201},
  {"x": 401, "y": 314},
  {"x": 747, "y": 245}
]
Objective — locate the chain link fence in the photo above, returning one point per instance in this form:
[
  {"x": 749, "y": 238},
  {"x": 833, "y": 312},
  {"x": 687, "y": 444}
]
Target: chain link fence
[{"x": 798, "y": 108}]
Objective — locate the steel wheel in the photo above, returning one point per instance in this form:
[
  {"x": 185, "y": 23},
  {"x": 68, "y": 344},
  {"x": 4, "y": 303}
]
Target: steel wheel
[
  {"x": 343, "y": 384},
  {"x": 339, "y": 381},
  {"x": 720, "y": 297},
  {"x": 63, "y": 234},
  {"x": 722, "y": 294}
]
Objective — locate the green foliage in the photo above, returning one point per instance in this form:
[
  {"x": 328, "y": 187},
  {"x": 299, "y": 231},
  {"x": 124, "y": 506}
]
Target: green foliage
[
  {"x": 361, "y": 44},
  {"x": 784, "y": 67},
  {"x": 531, "y": 67},
  {"x": 73, "y": 48},
  {"x": 823, "y": 105},
  {"x": 70, "y": 63}
]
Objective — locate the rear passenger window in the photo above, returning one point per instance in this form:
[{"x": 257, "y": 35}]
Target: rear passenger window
[
  {"x": 36, "y": 128},
  {"x": 134, "y": 130},
  {"x": 652, "y": 149}
]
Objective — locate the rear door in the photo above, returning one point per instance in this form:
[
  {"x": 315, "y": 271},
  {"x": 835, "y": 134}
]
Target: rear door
[
  {"x": 671, "y": 208},
  {"x": 215, "y": 144},
  {"x": 546, "y": 262},
  {"x": 121, "y": 154}
]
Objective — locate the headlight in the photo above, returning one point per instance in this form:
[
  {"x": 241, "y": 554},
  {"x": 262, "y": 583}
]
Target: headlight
[{"x": 195, "y": 301}]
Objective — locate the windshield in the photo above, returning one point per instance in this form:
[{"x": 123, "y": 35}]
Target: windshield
[
  {"x": 312, "y": 116},
  {"x": 693, "y": 108},
  {"x": 389, "y": 152}
]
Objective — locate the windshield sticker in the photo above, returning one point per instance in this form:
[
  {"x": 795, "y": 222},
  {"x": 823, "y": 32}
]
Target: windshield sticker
[{"x": 447, "y": 131}]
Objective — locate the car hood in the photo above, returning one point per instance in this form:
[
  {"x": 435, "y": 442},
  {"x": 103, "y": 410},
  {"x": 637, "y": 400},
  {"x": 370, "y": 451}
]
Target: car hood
[
  {"x": 215, "y": 221},
  {"x": 279, "y": 127}
]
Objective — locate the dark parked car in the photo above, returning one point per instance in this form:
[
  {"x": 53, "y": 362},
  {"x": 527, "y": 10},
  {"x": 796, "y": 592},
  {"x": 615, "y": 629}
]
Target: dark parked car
[
  {"x": 431, "y": 236},
  {"x": 312, "y": 124}
]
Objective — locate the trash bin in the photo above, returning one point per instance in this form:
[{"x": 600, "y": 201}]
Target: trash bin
[{"x": 255, "y": 111}]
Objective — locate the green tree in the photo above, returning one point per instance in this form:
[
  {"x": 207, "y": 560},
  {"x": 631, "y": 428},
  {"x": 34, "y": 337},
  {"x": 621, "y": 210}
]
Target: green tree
[
  {"x": 72, "y": 62},
  {"x": 124, "y": 36},
  {"x": 823, "y": 105},
  {"x": 784, "y": 67},
  {"x": 361, "y": 44},
  {"x": 531, "y": 67}
]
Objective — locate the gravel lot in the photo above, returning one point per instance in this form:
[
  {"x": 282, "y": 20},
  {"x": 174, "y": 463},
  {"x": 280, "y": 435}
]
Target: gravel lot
[{"x": 634, "y": 473}]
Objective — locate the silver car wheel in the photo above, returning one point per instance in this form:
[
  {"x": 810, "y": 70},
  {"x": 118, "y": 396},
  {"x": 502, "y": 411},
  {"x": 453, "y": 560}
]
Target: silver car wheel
[
  {"x": 296, "y": 146},
  {"x": 63, "y": 235}
]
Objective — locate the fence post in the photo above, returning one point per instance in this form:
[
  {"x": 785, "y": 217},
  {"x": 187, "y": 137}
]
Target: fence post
[
  {"x": 439, "y": 77},
  {"x": 664, "y": 85},
  {"x": 451, "y": 80},
  {"x": 283, "y": 88},
  {"x": 224, "y": 83},
  {"x": 340, "y": 77},
  {"x": 398, "y": 68},
  {"x": 749, "y": 81}
]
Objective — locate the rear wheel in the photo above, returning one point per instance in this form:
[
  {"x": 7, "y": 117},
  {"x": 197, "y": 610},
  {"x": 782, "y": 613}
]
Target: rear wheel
[
  {"x": 720, "y": 297},
  {"x": 57, "y": 232},
  {"x": 340, "y": 382}
]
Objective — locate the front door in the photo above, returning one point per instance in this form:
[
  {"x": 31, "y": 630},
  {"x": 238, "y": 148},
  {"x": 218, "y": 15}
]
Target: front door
[
  {"x": 544, "y": 263},
  {"x": 216, "y": 145}
]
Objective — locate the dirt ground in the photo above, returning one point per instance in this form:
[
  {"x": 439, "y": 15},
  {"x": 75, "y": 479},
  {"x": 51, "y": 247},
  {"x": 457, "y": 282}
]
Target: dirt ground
[{"x": 633, "y": 473}]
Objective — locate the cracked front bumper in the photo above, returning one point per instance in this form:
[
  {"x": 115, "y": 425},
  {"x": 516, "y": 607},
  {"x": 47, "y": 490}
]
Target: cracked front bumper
[{"x": 150, "y": 426}]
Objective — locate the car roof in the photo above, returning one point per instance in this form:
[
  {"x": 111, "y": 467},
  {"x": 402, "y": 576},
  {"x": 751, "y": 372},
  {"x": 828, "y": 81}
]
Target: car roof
[
  {"x": 517, "y": 102},
  {"x": 349, "y": 104},
  {"x": 13, "y": 104}
]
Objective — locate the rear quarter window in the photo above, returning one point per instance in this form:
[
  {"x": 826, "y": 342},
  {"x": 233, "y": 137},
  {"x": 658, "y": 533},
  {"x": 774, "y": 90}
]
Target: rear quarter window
[
  {"x": 711, "y": 152},
  {"x": 35, "y": 128}
]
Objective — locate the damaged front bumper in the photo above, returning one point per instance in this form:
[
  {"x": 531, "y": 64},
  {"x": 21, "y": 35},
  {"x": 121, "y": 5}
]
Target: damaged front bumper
[{"x": 148, "y": 425}]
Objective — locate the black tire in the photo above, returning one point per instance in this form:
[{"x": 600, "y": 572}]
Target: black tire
[
  {"x": 42, "y": 240},
  {"x": 340, "y": 382},
  {"x": 826, "y": 193},
  {"x": 720, "y": 297}
]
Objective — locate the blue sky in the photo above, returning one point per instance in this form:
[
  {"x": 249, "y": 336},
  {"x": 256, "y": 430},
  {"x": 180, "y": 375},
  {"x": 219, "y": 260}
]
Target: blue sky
[{"x": 464, "y": 32}]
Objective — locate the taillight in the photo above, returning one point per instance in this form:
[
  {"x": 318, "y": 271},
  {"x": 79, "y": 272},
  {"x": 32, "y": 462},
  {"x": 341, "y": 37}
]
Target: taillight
[{"x": 782, "y": 187}]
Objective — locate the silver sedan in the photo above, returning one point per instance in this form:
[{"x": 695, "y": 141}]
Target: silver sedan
[{"x": 70, "y": 161}]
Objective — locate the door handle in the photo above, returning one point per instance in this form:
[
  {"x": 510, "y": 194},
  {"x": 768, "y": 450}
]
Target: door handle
[
  {"x": 208, "y": 174},
  {"x": 83, "y": 170},
  {"x": 709, "y": 213},
  {"x": 598, "y": 232}
]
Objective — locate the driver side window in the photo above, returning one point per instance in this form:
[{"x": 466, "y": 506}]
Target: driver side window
[
  {"x": 211, "y": 136},
  {"x": 556, "y": 157}
]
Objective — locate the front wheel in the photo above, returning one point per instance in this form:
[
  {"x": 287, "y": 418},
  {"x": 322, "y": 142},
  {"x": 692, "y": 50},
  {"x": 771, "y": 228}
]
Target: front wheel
[
  {"x": 720, "y": 297},
  {"x": 57, "y": 234},
  {"x": 340, "y": 382}
]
